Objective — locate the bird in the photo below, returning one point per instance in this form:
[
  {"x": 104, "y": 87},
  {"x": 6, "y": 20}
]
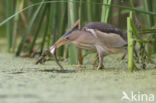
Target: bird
[{"x": 100, "y": 37}]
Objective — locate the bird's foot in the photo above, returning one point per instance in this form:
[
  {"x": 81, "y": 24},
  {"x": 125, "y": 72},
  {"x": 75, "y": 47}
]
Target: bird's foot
[
  {"x": 79, "y": 68},
  {"x": 100, "y": 67}
]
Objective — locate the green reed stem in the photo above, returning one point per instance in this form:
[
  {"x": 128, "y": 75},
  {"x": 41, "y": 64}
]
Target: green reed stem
[{"x": 130, "y": 44}]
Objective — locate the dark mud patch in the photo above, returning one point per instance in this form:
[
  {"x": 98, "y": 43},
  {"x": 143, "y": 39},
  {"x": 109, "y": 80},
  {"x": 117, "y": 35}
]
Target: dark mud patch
[
  {"x": 58, "y": 71},
  {"x": 17, "y": 72}
]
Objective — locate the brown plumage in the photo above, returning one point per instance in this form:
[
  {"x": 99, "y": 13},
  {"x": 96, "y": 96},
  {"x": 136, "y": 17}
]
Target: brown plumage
[
  {"x": 107, "y": 28},
  {"x": 96, "y": 36}
]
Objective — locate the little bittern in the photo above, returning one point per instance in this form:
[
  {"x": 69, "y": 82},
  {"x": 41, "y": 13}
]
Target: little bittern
[{"x": 96, "y": 36}]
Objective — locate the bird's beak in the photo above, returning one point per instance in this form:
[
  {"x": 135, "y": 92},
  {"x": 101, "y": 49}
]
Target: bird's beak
[
  {"x": 57, "y": 45},
  {"x": 60, "y": 43}
]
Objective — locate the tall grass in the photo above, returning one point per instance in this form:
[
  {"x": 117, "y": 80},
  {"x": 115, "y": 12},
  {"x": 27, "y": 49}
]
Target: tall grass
[
  {"x": 50, "y": 19},
  {"x": 106, "y": 10},
  {"x": 40, "y": 21},
  {"x": 25, "y": 35},
  {"x": 149, "y": 7},
  {"x": 8, "y": 6},
  {"x": 15, "y": 25}
]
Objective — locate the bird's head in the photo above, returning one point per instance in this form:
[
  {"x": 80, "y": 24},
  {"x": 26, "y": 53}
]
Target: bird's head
[{"x": 66, "y": 38}]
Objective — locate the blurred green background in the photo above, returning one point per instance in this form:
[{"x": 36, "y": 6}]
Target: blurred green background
[{"x": 43, "y": 22}]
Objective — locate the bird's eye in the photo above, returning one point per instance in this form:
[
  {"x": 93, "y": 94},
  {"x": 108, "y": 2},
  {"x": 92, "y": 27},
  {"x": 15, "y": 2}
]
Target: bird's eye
[{"x": 67, "y": 38}]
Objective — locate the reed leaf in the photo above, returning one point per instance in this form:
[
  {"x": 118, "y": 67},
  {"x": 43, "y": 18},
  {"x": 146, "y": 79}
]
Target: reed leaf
[
  {"x": 8, "y": 24},
  {"x": 15, "y": 25},
  {"x": 149, "y": 7},
  {"x": 61, "y": 18},
  {"x": 105, "y": 11},
  {"x": 145, "y": 31},
  {"x": 53, "y": 21},
  {"x": 72, "y": 10},
  {"x": 25, "y": 35},
  {"x": 115, "y": 6},
  {"x": 130, "y": 44},
  {"x": 45, "y": 29},
  {"x": 41, "y": 17},
  {"x": 89, "y": 11}
]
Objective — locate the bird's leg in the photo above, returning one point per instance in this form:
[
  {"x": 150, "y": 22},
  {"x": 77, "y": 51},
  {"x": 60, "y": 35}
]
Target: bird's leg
[
  {"x": 80, "y": 59},
  {"x": 80, "y": 56},
  {"x": 124, "y": 55},
  {"x": 94, "y": 63},
  {"x": 100, "y": 66}
]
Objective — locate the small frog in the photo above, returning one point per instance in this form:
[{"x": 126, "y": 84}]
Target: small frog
[{"x": 52, "y": 51}]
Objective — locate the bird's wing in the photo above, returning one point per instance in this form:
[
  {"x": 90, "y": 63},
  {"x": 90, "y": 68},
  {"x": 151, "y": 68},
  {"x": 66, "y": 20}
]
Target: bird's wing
[
  {"x": 110, "y": 39},
  {"x": 106, "y": 28}
]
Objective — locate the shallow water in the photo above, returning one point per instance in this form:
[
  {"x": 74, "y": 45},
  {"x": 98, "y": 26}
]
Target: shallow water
[{"x": 21, "y": 81}]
